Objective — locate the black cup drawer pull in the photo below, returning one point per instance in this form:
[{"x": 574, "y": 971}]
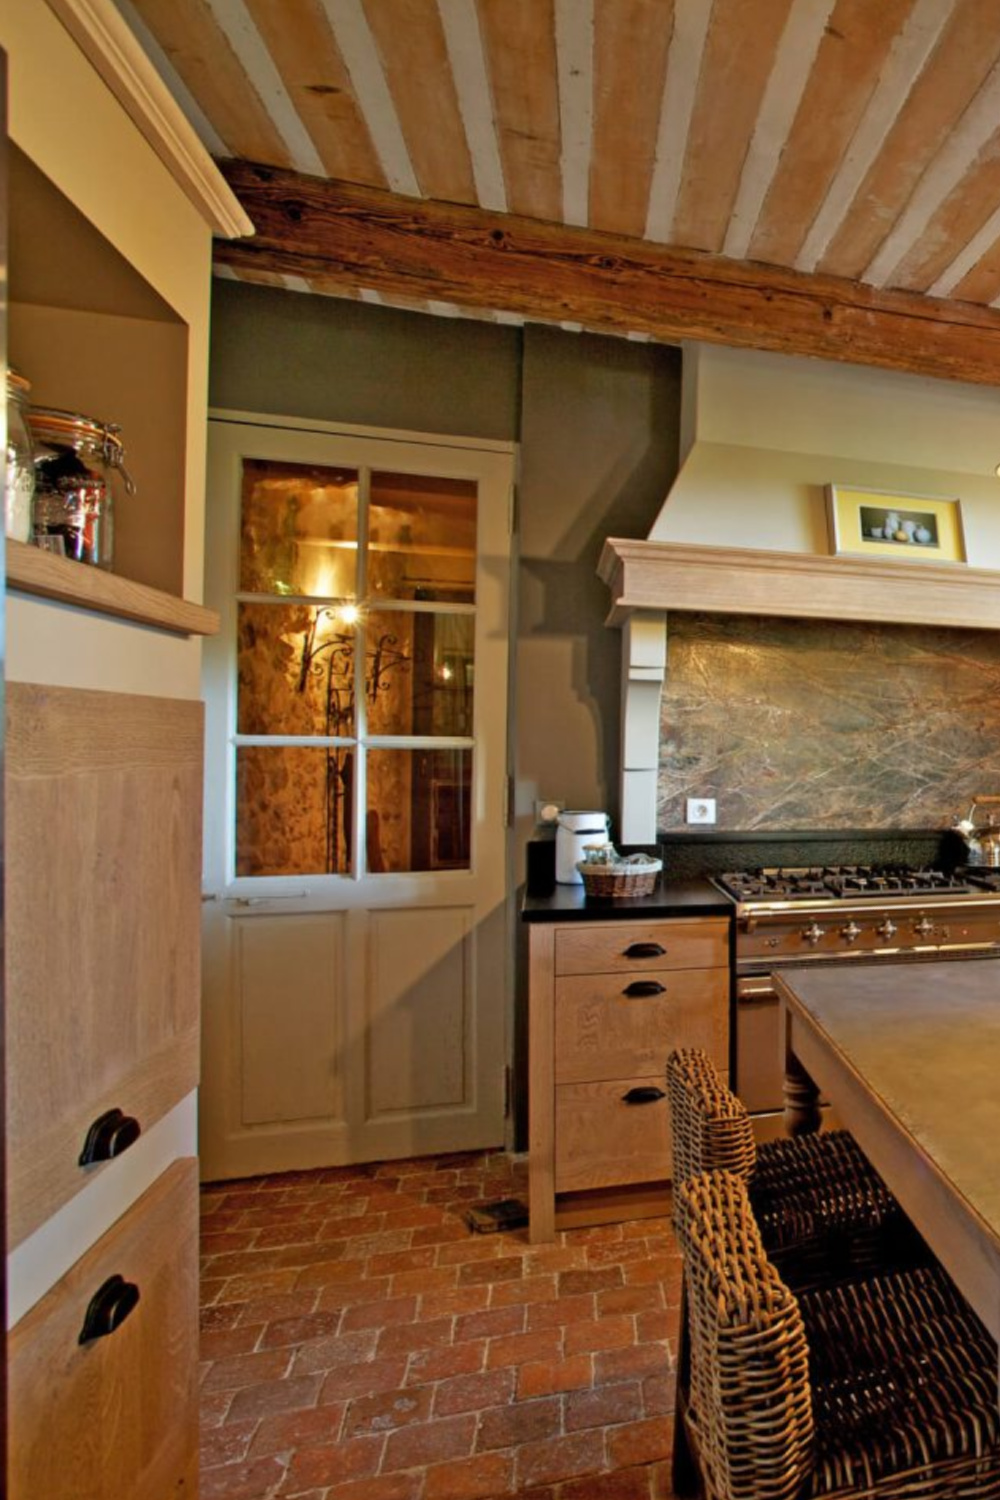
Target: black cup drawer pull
[
  {"x": 109, "y": 1307},
  {"x": 646, "y": 1093},
  {"x": 641, "y": 987},
  {"x": 644, "y": 950},
  {"x": 110, "y": 1135}
]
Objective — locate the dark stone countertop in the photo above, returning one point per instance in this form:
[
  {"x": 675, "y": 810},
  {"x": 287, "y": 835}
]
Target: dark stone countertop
[{"x": 671, "y": 898}]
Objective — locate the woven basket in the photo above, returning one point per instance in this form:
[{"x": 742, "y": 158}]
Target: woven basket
[{"x": 620, "y": 881}]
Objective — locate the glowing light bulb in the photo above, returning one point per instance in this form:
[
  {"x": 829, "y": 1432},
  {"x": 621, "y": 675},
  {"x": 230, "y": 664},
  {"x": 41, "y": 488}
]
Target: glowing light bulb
[{"x": 349, "y": 614}]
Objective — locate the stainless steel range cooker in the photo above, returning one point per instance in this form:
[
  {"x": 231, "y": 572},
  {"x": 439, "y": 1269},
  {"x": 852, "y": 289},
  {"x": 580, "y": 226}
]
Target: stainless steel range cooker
[{"x": 837, "y": 915}]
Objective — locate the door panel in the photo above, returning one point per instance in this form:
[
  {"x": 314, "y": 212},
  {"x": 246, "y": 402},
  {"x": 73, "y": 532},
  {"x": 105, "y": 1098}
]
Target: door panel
[
  {"x": 355, "y": 796},
  {"x": 292, "y": 999}
]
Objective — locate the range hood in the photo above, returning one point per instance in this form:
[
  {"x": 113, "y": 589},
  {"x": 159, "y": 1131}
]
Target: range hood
[{"x": 744, "y": 527}]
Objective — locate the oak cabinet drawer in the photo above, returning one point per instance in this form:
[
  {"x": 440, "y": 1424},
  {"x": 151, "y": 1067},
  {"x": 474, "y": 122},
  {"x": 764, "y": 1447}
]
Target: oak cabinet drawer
[
  {"x": 616, "y": 1026},
  {"x": 625, "y": 947},
  {"x": 116, "y": 1415},
  {"x": 604, "y": 1141}
]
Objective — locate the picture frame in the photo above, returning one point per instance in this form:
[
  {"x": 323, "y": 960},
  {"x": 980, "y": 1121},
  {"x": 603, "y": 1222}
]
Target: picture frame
[{"x": 923, "y": 528}]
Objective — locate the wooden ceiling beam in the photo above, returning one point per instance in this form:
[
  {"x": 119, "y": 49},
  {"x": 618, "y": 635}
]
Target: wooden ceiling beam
[{"x": 353, "y": 237}]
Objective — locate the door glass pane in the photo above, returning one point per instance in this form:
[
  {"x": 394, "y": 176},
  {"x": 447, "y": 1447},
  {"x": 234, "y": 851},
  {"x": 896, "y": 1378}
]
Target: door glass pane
[
  {"x": 419, "y": 810},
  {"x": 293, "y": 810},
  {"x": 298, "y": 529},
  {"x": 419, "y": 673},
  {"x": 296, "y": 670},
  {"x": 422, "y": 537}
]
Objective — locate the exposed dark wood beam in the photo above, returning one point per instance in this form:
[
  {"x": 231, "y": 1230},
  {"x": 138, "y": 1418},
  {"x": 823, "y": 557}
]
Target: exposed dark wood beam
[{"x": 362, "y": 237}]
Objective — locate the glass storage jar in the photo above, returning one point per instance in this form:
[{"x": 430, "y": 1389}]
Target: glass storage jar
[
  {"x": 19, "y": 483},
  {"x": 74, "y": 499}
]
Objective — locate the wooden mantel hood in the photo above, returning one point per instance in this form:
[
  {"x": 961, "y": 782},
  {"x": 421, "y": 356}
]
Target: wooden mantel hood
[{"x": 664, "y": 576}]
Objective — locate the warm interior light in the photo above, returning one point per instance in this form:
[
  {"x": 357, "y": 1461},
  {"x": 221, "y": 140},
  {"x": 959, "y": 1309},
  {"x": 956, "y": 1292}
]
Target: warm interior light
[
  {"x": 348, "y": 614},
  {"x": 997, "y": 471}
]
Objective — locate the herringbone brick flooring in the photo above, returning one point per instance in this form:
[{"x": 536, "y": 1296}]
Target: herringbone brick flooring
[{"x": 361, "y": 1343}]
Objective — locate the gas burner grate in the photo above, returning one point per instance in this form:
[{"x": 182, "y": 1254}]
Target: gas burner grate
[{"x": 841, "y": 882}]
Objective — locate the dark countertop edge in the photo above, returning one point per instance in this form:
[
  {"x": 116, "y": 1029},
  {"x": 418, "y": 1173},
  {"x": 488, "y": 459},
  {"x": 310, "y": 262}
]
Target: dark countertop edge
[{"x": 682, "y": 898}]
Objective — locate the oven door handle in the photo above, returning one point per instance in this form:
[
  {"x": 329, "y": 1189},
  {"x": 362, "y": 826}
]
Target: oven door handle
[{"x": 752, "y": 991}]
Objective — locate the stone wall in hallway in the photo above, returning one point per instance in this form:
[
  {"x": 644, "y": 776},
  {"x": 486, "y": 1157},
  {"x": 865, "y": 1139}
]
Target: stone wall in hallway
[{"x": 821, "y": 724}]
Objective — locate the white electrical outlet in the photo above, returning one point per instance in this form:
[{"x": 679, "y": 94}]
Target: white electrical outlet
[{"x": 700, "y": 810}]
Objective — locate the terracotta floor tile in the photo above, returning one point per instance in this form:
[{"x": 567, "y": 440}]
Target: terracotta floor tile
[{"x": 361, "y": 1342}]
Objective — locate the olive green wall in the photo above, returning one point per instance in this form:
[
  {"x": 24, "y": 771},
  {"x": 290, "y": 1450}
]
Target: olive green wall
[{"x": 597, "y": 423}]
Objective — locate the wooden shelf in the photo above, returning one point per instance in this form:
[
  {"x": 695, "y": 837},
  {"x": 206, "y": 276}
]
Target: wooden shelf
[
  {"x": 31, "y": 571},
  {"x": 744, "y": 581}
]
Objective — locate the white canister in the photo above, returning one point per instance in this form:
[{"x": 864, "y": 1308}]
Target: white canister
[{"x": 573, "y": 831}]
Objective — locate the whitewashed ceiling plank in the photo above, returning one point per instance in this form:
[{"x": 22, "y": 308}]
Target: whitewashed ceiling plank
[
  {"x": 632, "y": 43},
  {"x": 957, "y": 222},
  {"x": 258, "y": 64},
  {"x": 574, "y": 20},
  {"x": 519, "y": 44},
  {"x": 357, "y": 45},
  {"x": 196, "y": 116},
  {"x": 907, "y": 56},
  {"x": 793, "y": 64},
  {"x": 844, "y": 75},
  {"x": 414, "y": 54},
  {"x": 684, "y": 64},
  {"x": 204, "y": 58},
  {"x": 460, "y": 22},
  {"x": 953, "y": 161},
  {"x": 308, "y": 58},
  {"x": 739, "y": 55}
]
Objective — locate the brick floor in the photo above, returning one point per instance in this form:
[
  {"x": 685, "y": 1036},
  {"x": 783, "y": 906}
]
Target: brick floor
[{"x": 360, "y": 1342}]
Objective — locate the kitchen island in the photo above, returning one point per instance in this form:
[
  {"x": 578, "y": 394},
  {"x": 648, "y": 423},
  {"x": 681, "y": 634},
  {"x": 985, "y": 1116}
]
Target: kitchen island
[{"x": 909, "y": 1055}]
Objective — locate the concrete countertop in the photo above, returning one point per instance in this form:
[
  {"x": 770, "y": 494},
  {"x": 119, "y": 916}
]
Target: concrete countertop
[{"x": 681, "y": 898}]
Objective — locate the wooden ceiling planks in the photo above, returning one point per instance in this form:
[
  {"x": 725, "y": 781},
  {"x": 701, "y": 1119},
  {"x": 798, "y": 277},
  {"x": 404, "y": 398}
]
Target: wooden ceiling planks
[
  {"x": 203, "y": 56},
  {"x": 843, "y": 78},
  {"x": 631, "y": 45},
  {"x": 956, "y": 221},
  {"x": 519, "y": 41},
  {"x": 298, "y": 36},
  {"x": 967, "y": 49},
  {"x": 411, "y": 42},
  {"x": 739, "y": 52}
]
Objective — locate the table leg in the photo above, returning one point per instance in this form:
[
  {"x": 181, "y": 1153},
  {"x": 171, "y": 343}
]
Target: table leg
[{"x": 802, "y": 1111}]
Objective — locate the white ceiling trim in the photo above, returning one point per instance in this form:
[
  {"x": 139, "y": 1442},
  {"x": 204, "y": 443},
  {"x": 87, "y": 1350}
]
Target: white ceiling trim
[
  {"x": 265, "y": 80},
  {"x": 575, "y": 61},
  {"x": 957, "y": 155},
  {"x": 908, "y": 54},
  {"x": 475, "y": 100},
  {"x": 793, "y": 62},
  {"x": 361, "y": 58},
  {"x": 680, "y": 85}
]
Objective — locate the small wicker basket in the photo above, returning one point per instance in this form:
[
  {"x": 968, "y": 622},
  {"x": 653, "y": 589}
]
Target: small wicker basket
[{"x": 621, "y": 879}]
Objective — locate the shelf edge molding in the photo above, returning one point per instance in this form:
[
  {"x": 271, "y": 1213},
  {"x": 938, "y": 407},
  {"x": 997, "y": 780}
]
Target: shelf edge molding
[
  {"x": 107, "y": 41},
  {"x": 32, "y": 571},
  {"x": 658, "y": 576}
]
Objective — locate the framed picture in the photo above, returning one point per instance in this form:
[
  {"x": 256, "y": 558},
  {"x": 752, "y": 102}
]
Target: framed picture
[{"x": 870, "y": 523}]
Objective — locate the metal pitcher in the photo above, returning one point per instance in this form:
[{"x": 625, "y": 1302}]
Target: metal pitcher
[{"x": 983, "y": 843}]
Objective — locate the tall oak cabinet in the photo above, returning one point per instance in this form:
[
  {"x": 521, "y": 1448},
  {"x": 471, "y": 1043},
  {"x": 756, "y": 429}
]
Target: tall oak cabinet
[{"x": 112, "y": 204}]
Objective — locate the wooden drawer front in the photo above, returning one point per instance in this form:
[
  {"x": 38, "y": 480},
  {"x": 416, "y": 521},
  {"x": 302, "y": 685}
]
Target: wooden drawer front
[
  {"x": 601, "y": 1141},
  {"x": 116, "y": 1416},
  {"x": 103, "y": 925},
  {"x": 604, "y": 1032},
  {"x": 616, "y": 947}
]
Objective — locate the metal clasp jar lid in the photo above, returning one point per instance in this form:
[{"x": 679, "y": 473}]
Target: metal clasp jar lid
[{"x": 85, "y": 435}]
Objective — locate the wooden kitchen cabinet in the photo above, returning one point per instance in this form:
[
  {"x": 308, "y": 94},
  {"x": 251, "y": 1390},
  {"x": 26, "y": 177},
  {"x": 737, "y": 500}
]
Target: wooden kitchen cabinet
[
  {"x": 111, "y": 207},
  {"x": 608, "y": 1000}
]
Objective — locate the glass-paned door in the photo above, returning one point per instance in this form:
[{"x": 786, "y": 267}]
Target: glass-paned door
[{"x": 355, "y": 813}]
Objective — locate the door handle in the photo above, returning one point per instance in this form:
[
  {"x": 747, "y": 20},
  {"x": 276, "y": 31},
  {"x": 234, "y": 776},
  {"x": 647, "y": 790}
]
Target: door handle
[
  {"x": 642, "y": 987},
  {"x": 109, "y": 1135},
  {"x": 644, "y": 950},
  {"x": 646, "y": 1093}
]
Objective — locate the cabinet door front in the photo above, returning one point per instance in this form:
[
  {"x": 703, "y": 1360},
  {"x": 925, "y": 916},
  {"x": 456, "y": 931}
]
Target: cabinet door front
[
  {"x": 116, "y": 1415},
  {"x": 617, "y": 1026},
  {"x": 103, "y": 951}
]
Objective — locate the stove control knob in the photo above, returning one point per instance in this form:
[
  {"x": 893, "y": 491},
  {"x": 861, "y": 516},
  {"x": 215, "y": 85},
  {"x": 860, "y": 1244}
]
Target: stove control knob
[
  {"x": 851, "y": 932},
  {"x": 813, "y": 934},
  {"x": 924, "y": 927},
  {"x": 886, "y": 929}
]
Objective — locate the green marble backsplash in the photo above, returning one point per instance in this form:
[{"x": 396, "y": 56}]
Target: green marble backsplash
[{"x": 822, "y": 724}]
